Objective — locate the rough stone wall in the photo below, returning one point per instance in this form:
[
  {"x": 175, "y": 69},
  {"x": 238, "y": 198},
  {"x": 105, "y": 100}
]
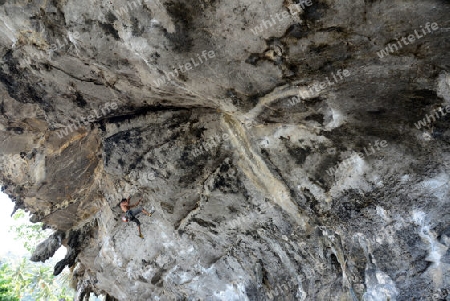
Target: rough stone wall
[{"x": 280, "y": 147}]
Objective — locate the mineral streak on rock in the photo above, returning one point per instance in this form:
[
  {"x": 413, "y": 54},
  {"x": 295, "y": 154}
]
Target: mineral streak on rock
[{"x": 297, "y": 87}]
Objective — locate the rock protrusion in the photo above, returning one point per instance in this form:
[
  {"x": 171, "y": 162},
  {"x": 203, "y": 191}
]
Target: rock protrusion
[
  {"x": 48, "y": 247},
  {"x": 76, "y": 242}
]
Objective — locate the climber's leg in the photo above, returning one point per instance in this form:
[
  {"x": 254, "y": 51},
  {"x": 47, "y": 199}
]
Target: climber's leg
[
  {"x": 136, "y": 211},
  {"x": 148, "y": 213},
  {"x": 138, "y": 223},
  {"x": 140, "y": 233}
]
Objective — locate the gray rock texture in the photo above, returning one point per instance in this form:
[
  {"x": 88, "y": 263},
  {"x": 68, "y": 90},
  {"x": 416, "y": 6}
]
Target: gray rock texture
[{"x": 278, "y": 141}]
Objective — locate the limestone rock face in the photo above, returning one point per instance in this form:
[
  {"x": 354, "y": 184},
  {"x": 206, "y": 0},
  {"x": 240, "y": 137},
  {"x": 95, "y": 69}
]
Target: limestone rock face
[{"x": 291, "y": 150}]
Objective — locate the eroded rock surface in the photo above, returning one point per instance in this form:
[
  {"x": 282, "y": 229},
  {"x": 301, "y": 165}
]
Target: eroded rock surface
[{"x": 279, "y": 143}]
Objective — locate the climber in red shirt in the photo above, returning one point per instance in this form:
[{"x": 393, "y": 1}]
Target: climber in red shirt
[{"x": 130, "y": 215}]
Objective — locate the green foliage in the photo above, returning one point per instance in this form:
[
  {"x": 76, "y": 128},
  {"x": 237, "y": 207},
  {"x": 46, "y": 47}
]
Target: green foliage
[
  {"x": 27, "y": 281},
  {"x": 30, "y": 234},
  {"x": 7, "y": 292}
]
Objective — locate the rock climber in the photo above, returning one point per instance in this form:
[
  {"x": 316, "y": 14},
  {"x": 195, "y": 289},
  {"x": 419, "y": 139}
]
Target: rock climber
[{"x": 130, "y": 215}]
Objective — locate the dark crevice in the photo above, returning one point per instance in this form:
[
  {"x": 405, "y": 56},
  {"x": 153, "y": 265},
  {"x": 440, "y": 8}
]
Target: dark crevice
[
  {"x": 109, "y": 29},
  {"x": 133, "y": 113},
  {"x": 88, "y": 80},
  {"x": 79, "y": 100},
  {"x": 181, "y": 38}
]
